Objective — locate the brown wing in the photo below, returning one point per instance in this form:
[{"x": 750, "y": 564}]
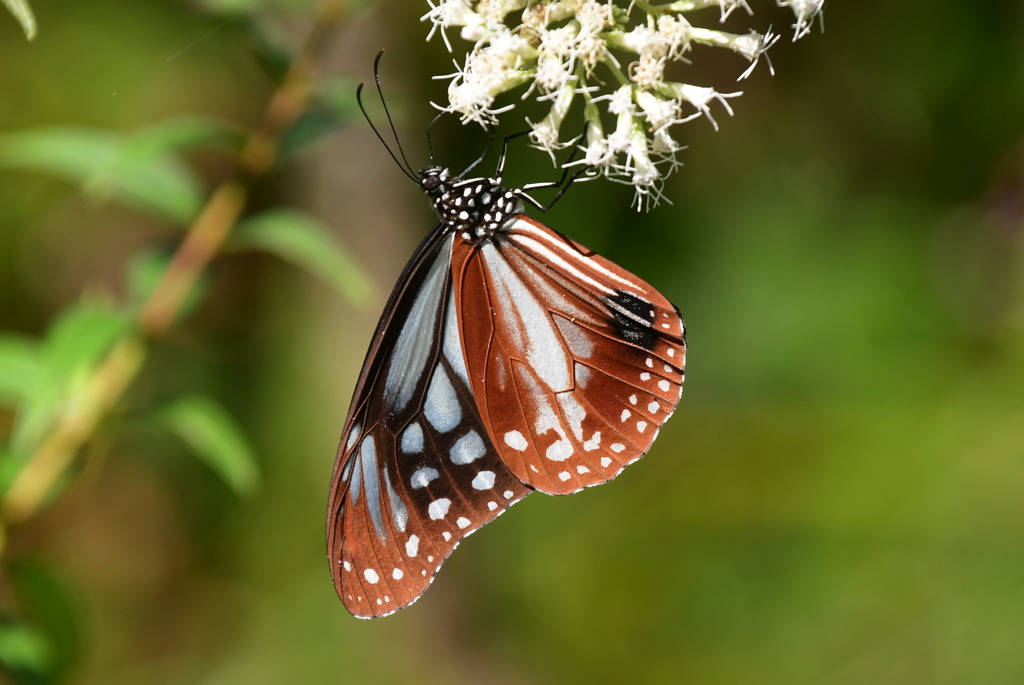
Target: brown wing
[
  {"x": 416, "y": 471},
  {"x": 574, "y": 362}
]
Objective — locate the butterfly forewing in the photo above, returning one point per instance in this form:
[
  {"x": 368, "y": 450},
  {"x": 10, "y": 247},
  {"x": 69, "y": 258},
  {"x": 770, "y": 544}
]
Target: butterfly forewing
[
  {"x": 416, "y": 470},
  {"x": 575, "y": 363}
]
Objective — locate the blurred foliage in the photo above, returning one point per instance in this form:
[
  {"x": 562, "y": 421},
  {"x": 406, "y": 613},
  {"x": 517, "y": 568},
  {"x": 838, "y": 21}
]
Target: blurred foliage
[
  {"x": 22, "y": 12},
  {"x": 836, "y": 500}
]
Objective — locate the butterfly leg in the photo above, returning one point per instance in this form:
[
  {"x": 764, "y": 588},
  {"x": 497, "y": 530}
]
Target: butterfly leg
[
  {"x": 565, "y": 184},
  {"x": 482, "y": 157}
]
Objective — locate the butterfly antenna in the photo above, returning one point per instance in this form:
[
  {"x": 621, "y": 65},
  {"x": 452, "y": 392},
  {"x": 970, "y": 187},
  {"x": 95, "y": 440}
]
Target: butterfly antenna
[
  {"x": 430, "y": 139},
  {"x": 359, "y": 100},
  {"x": 387, "y": 113}
]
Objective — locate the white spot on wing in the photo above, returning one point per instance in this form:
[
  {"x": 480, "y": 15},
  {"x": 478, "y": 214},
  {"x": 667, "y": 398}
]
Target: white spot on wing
[
  {"x": 353, "y": 436},
  {"x": 559, "y": 450},
  {"x": 371, "y": 576},
  {"x": 606, "y": 461},
  {"x": 412, "y": 546},
  {"x": 422, "y": 477},
  {"x": 564, "y": 476},
  {"x": 467, "y": 448},
  {"x": 438, "y": 509},
  {"x": 397, "y": 574},
  {"x": 664, "y": 385},
  {"x": 484, "y": 480},
  {"x": 412, "y": 438},
  {"x": 462, "y": 522},
  {"x": 617, "y": 447},
  {"x": 515, "y": 440},
  {"x": 442, "y": 406}
]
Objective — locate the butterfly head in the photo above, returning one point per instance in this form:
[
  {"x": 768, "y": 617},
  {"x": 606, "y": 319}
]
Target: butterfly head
[{"x": 435, "y": 181}]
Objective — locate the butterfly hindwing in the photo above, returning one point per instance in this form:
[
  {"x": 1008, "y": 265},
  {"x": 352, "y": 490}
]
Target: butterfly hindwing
[{"x": 574, "y": 361}]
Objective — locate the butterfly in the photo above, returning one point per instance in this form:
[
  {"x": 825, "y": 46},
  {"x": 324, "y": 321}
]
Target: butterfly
[{"x": 509, "y": 358}]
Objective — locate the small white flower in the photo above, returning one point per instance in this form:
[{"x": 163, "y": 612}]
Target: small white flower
[
  {"x": 701, "y": 98},
  {"x": 619, "y": 102},
  {"x": 643, "y": 40},
  {"x": 648, "y": 71},
  {"x": 675, "y": 34},
  {"x": 545, "y": 133},
  {"x": 552, "y": 73},
  {"x": 660, "y": 112},
  {"x": 564, "y": 50},
  {"x": 805, "y": 11},
  {"x": 450, "y": 13},
  {"x": 752, "y": 46}
]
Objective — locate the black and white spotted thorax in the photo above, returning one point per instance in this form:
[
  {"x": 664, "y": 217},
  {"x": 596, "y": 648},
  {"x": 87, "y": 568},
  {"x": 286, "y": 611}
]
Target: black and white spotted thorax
[{"x": 477, "y": 207}]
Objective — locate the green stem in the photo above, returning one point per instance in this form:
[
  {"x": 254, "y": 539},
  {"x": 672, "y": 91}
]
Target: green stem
[
  {"x": 114, "y": 374},
  {"x": 73, "y": 427}
]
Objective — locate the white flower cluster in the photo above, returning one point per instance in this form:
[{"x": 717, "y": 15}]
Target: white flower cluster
[{"x": 612, "y": 58}]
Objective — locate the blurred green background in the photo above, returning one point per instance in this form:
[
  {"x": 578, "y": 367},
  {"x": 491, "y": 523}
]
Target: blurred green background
[{"x": 837, "y": 500}]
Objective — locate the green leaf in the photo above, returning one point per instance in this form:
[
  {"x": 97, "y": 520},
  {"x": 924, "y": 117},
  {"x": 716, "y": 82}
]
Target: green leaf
[
  {"x": 235, "y": 7},
  {"x": 302, "y": 240},
  {"x": 143, "y": 273},
  {"x": 333, "y": 106},
  {"x": 50, "y": 609},
  {"x": 10, "y": 466},
  {"x": 23, "y": 13},
  {"x": 175, "y": 135},
  {"x": 109, "y": 165},
  {"x": 339, "y": 94},
  {"x": 216, "y": 439},
  {"x": 75, "y": 343},
  {"x": 24, "y": 652},
  {"x": 80, "y": 336},
  {"x": 19, "y": 368}
]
